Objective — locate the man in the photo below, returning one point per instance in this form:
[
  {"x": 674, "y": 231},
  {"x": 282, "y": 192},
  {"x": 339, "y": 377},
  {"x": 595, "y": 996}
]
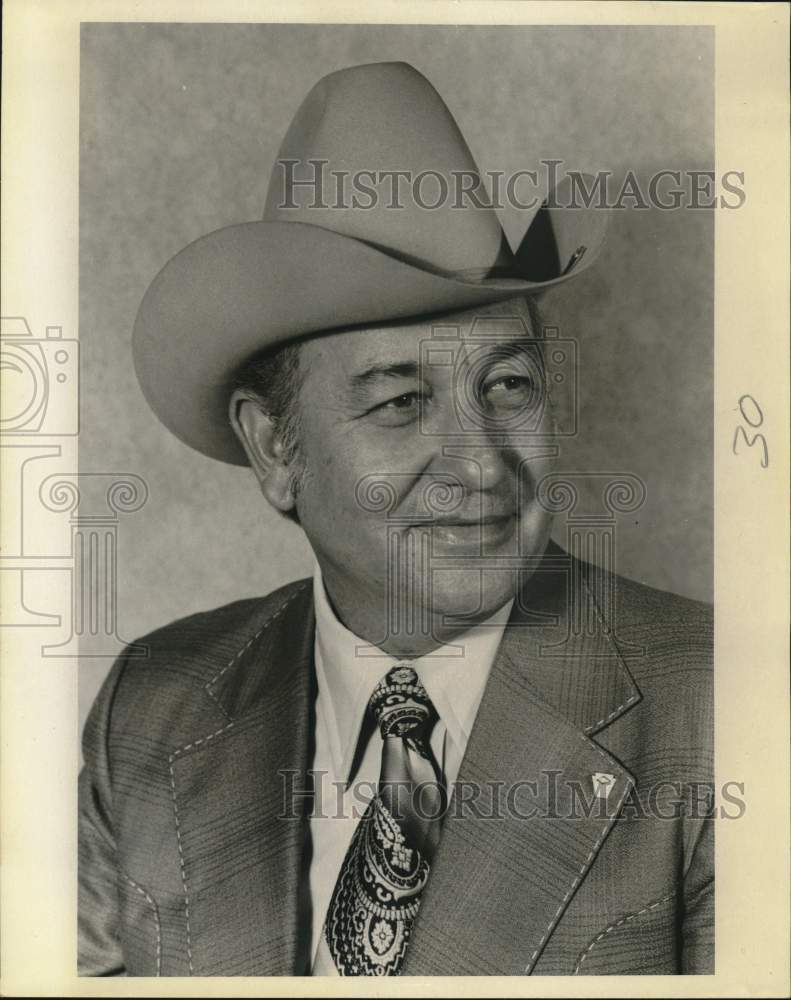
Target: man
[{"x": 457, "y": 749}]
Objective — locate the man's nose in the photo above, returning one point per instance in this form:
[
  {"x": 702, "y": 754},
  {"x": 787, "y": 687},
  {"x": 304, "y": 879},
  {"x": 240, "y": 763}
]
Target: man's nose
[
  {"x": 479, "y": 467},
  {"x": 472, "y": 453}
]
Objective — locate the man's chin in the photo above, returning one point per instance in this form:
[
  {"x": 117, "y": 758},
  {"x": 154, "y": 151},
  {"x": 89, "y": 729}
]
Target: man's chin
[{"x": 466, "y": 596}]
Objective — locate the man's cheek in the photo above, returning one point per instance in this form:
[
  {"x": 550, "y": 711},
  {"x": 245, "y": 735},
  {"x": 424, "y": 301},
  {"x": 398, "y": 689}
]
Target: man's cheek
[{"x": 531, "y": 462}]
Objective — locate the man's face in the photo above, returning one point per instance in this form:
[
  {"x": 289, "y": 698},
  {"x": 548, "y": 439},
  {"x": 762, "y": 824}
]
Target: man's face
[{"x": 421, "y": 446}]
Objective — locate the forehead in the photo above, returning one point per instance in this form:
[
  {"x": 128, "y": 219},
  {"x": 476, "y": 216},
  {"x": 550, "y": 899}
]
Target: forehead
[{"x": 503, "y": 322}]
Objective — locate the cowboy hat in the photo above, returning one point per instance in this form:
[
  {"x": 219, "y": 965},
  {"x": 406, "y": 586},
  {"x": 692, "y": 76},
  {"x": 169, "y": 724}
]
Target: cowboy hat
[{"x": 324, "y": 258}]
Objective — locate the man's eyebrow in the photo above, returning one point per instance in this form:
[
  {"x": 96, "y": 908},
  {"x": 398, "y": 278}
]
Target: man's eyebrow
[
  {"x": 361, "y": 380},
  {"x": 401, "y": 369},
  {"x": 513, "y": 348}
]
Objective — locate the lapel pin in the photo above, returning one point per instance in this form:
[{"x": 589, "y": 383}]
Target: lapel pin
[{"x": 602, "y": 783}]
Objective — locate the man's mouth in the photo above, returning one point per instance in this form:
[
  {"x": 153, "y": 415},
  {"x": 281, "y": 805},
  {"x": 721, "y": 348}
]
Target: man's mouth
[
  {"x": 456, "y": 521},
  {"x": 475, "y": 531}
]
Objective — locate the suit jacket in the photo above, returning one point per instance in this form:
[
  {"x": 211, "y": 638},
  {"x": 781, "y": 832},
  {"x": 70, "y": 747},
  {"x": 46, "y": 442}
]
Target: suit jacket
[{"x": 192, "y": 852}]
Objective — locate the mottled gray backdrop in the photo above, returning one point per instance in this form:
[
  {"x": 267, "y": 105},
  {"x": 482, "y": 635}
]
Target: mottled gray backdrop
[{"x": 179, "y": 127}]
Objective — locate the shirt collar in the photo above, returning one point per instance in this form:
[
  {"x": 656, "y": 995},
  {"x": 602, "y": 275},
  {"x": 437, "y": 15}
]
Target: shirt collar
[{"x": 348, "y": 669}]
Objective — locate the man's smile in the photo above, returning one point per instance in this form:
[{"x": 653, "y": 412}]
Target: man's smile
[{"x": 455, "y": 530}]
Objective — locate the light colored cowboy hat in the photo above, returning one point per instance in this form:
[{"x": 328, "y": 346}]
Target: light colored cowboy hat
[{"x": 306, "y": 269}]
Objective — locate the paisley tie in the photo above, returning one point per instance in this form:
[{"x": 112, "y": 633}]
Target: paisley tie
[{"x": 378, "y": 892}]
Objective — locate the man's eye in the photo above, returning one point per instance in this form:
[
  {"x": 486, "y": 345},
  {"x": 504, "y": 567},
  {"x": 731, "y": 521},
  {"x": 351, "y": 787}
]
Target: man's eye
[
  {"x": 399, "y": 410},
  {"x": 402, "y": 402},
  {"x": 511, "y": 383},
  {"x": 509, "y": 389}
]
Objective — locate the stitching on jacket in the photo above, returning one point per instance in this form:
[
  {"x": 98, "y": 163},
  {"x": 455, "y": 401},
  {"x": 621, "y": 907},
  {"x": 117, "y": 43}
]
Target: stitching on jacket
[
  {"x": 182, "y": 866},
  {"x": 249, "y": 643},
  {"x": 206, "y": 739},
  {"x": 607, "y": 632},
  {"x": 586, "y": 863},
  {"x": 155, "y": 911},
  {"x": 620, "y": 923},
  {"x": 181, "y": 863},
  {"x": 197, "y": 743},
  {"x": 615, "y": 711}
]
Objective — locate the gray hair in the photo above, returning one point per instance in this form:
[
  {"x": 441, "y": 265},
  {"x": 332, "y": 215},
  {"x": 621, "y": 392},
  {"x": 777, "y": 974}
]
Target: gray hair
[{"x": 272, "y": 379}]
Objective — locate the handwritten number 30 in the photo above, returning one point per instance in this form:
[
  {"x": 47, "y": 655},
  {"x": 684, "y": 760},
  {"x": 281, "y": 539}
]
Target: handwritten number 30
[{"x": 752, "y": 415}]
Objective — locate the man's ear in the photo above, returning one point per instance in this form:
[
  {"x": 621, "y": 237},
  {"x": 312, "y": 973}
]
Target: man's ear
[{"x": 259, "y": 438}]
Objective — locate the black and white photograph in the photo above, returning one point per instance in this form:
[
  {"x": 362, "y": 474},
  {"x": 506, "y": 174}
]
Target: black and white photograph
[{"x": 387, "y": 454}]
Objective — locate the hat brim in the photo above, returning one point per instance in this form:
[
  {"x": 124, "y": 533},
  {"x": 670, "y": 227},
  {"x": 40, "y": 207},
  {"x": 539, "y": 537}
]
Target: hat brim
[{"x": 248, "y": 287}]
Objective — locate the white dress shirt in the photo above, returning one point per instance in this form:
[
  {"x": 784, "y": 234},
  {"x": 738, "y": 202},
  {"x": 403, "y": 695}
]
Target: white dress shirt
[{"x": 347, "y": 671}]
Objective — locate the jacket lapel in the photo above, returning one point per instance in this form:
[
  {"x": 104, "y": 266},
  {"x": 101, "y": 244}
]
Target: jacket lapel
[
  {"x": 241, "y": 831},
  {"x": 524, "y": 827}
]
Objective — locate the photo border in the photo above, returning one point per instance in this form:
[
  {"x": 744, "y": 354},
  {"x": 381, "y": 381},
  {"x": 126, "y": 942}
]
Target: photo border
[{"x": 751, "y": 533}]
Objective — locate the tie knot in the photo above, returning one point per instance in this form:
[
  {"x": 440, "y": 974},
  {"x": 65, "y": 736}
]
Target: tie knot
[{"x": 400, "y": 703}]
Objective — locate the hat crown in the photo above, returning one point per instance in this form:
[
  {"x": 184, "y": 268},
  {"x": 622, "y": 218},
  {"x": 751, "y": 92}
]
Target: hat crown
[{"x": 338, "y": 167}]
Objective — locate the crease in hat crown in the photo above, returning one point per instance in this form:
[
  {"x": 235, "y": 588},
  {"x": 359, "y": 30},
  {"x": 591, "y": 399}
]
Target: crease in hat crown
[
  {"x": 301, "y": 271},
  {"x": 386, "y": 117}
]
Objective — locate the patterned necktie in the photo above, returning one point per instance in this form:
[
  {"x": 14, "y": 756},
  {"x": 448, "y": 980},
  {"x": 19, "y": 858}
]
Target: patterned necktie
[{"x": 386, "y": 867}]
